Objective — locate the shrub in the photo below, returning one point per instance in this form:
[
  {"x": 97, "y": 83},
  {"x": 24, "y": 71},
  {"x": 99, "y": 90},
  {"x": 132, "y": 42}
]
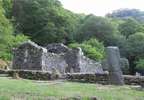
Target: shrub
[
  {"x": 140, "y": 64},
  {"x": 91, "y": 48}
]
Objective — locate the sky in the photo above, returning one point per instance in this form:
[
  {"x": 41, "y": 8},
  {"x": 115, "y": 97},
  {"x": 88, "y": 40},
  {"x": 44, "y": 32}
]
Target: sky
[{"x": 101, "y": 7}]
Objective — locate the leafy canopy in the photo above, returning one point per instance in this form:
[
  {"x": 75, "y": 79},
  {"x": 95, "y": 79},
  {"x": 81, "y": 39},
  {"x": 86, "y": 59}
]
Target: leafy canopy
[
  {"x": 96, "y": 27},
  {"x": 45, "y": 21},
  {"x": 129, "y": 27}
]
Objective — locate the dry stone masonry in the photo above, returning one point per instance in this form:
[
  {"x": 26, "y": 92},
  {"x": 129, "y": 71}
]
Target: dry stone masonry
[
  {"x": 57, "y": 48},
  {"x": 28, "y": 56},
  {"x": 59, "y": 58},
  {"x": 56, "y": 56}
]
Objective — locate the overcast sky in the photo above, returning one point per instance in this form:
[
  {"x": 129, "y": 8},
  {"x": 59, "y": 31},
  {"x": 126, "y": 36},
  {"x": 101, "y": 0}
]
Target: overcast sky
[{"x": 101, "y": 7}]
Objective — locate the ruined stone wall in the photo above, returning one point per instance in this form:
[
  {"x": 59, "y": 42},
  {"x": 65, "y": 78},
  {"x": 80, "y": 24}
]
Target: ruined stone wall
[
  {"x": 58, "y": 57},
  {"x": 30, "y": 56},
  {"x": 73, "y": 58},
  {"x": 54, "y": 62},
  {"x": 27, "y": 57},
  {"x": 90, "y": 66},
  {"x": 75, "y": 61},
  {"x": 80, "y": 63},
  {"x": 57, "y": 48}
]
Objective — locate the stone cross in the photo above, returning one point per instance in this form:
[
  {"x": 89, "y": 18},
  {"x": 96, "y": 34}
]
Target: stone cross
[{"x": 113, "y": 60}]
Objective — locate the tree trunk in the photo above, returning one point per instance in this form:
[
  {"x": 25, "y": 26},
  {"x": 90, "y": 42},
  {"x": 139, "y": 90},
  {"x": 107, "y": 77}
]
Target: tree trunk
[{"x": 132, "y": 65}]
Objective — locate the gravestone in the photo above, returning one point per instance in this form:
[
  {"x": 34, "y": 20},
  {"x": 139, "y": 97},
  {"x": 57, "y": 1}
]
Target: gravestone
[{"x": 113, "y": 60}]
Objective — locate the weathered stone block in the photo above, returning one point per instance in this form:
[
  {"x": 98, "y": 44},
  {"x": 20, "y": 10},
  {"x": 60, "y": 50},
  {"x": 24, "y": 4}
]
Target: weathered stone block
[{"x": 113, "y": 58}]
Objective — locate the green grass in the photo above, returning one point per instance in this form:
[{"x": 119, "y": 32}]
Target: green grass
[{"x": 28, "y": 89}]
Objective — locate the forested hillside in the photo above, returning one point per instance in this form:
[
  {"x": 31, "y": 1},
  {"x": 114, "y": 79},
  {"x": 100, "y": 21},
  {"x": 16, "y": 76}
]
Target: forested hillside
[{"x": 46, "y": 21}]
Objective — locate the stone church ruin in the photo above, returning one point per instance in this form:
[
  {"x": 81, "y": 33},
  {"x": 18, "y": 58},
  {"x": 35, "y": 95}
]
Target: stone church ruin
[
  {"x": 55, "y": 56},
  {"x": 30, "y": 58}
]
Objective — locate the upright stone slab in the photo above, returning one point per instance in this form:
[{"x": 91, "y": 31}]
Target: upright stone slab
[{"x": 113, "y": 60}]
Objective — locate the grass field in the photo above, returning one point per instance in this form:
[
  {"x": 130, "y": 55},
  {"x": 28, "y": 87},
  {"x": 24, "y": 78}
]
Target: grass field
[{"x": 11, "y": 89}]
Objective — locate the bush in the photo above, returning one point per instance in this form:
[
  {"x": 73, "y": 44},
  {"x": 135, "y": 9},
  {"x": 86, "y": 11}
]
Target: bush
[
  {"x": 6, "y": 48},
  {"x": 91, "y": 48},
  {"x": 140, "y": 64}
]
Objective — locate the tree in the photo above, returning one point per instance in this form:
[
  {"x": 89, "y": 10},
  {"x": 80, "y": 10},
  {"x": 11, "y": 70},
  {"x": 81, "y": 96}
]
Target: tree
[
  {"x": 44, "y": 21},
  {"x": 134, "y": 49},
  {"x": 119, "y": 41},
  {"x": 129, "y": 27},
  {"x": 7, "y": 6},
  {"x": 96, "y": 27},
  {"x": 7, "y": 39},
  {"x": 140, "y": 66}
]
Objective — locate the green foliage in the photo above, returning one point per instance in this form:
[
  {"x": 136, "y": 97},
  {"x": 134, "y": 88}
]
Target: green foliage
[
  {"x": 129, "y": 27},
  {"x": 7, "y": 6},
  {"x": 140, "y": 64},
  {"x": 91, "y": 48},
  {"x": 5, "y": 34},
  {"x": 7, "y": 39},
  {"x": 119, "y": 41},
  {"x": 134, "y": 49},
  {"x": 45, "y": 21},
  {"x": 135, "y": 45},
  {"x": 131, "y": 39},
  {"x": 98, "y": 27}
]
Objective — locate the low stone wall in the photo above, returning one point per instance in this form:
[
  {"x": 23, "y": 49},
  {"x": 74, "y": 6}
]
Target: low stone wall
[
  {"x": 3, "y": 71},
  {"x": 134, "y": 80},
  {"x": 104, "y": 79},
  {"x": 77, "y": 77},
  {"x": 91, "y": 78},
  {"x": 33, "y": 75}
]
